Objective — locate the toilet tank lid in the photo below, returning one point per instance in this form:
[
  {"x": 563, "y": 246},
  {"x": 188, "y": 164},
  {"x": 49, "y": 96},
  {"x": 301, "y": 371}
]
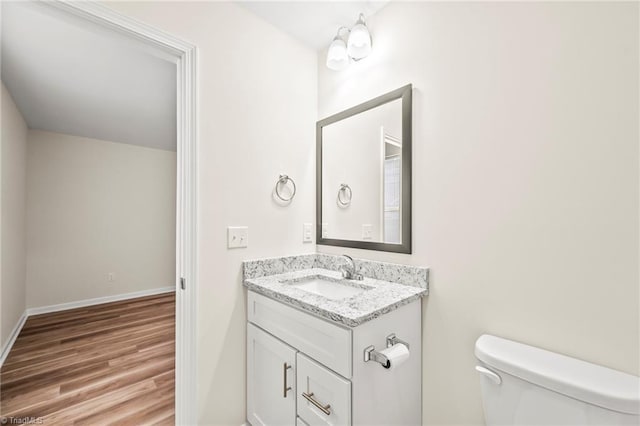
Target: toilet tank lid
[{"x": 578, "y": 379}]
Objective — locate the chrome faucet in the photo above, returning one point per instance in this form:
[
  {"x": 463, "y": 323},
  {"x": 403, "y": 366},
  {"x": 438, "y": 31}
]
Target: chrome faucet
[{"x": 349, "y": 270}]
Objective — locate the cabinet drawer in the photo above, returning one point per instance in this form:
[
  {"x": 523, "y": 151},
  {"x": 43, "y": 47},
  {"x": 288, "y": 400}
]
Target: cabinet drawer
[
  {"x": 323, "y": 397},
  {"x": 327, "y": 343}
]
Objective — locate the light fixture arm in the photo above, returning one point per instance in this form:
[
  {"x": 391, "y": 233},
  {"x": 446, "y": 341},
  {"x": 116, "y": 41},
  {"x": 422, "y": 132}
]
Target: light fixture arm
[{"x": 339, "y": 30}]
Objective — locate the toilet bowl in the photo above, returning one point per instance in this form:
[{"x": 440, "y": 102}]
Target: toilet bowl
[{"x": 524, "y": 385}]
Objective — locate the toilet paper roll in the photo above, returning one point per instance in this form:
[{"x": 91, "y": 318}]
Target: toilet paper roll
[{"x": 396, "y": 354}]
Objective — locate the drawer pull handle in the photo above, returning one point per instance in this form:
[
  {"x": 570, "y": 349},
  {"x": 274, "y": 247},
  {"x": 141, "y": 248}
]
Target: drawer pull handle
[
  {"x": 325, "y": 409},
  {"x": 285, "y": 388}
]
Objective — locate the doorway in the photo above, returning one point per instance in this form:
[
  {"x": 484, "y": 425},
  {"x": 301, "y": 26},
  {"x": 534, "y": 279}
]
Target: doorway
[{"x": 183, "y": 55}]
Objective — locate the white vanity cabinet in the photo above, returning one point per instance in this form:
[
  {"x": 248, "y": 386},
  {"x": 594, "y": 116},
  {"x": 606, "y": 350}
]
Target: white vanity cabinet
[{"x": 330, "y": 382}]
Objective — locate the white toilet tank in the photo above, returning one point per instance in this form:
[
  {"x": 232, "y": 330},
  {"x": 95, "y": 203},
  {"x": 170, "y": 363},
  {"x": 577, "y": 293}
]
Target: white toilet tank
[{"x": 523, "y": 385}]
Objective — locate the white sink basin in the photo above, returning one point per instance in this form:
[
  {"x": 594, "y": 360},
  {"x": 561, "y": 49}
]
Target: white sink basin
[{"x": 334, "y": 290}]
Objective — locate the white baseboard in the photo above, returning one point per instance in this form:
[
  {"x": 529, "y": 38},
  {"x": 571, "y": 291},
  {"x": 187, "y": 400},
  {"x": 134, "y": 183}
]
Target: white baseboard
[
  {"x": 71, "y": 305},
  {"x": 97, "y": 301},
  {"x": 12, "y": 337}
]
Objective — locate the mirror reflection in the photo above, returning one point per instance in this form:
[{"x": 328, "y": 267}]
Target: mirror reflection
[{"x": 362, "y": 176}]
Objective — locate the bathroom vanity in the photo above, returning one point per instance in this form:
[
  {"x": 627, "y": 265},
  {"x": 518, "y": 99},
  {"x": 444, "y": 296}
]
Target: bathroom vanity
[{"x": 322, "y": 349}]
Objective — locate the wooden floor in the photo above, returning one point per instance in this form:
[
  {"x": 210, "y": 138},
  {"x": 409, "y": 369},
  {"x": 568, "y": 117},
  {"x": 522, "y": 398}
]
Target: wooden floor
[{"x": 109, "y": 363}]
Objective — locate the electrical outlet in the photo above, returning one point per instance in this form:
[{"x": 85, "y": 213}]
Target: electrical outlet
[
  {"x": 325, "y": 230},
  {"x": 111, "y": 277},
  {"x": 367, "y": 232},
  {"x": 237, "y": 236},
  {"x": 307, "y": 231}
]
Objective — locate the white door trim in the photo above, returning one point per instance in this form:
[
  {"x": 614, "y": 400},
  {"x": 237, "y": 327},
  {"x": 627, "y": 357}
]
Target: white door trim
[{"x": 184, "y": 55}]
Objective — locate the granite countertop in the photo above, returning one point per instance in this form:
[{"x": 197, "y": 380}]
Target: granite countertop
[{"x": 379, "y": 297}]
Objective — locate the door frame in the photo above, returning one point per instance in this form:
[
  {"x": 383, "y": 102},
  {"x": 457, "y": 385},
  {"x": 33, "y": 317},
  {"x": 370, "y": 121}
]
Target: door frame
[{"x": 184, "y": 55}]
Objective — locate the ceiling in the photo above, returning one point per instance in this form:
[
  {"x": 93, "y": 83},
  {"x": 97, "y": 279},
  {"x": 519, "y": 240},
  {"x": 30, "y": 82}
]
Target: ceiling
[
  {"x": 314, "y": 23},
  {"x": 72, "y": 77}
]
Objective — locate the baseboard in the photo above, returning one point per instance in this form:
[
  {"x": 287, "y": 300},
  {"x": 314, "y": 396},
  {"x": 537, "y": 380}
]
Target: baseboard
[
  {"x": 97, "y": 301},
  {"x": 12, "y": 337},
  {"x": 72, "y": 305}
]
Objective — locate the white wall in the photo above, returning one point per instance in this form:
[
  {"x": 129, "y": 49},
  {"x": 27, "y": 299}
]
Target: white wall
[
  {"x": 525, "y": 177},
  {"x": 13, "y": 177},
  {"x": 97, "y": 207},
  {"x": 257, "y": 113},
  {"x": 352, "y": 154}
]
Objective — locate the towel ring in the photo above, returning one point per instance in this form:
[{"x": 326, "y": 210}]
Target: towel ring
[
  {"x": 346, "y": 190},
  {"x": 284, "y": 179}
]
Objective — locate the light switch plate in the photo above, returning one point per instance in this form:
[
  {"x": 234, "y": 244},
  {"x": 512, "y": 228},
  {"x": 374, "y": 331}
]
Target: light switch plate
[
  {"x": 237, "y": 236},
  {"x": 367, "y": 231},
  {"x": 307, "y": 232}
]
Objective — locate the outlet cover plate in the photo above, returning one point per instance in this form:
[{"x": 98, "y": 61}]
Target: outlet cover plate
[
  {"x": 307, "y": 232},
  {"x": 367, "y": 231},
  {"x": 325, "y": 230}
]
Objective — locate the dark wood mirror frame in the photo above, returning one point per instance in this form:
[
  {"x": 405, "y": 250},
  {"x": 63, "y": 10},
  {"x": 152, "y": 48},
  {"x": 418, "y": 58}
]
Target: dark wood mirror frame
[{"x": 403, "y": 93}]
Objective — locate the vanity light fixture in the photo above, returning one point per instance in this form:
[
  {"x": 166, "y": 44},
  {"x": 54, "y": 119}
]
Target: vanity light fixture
[
  {"x": 358, "y": 46},
  {"x": 359, "y": 43},
  {"x": 337, "y": 58}
]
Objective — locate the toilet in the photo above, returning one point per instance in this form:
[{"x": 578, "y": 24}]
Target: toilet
[{"x": 524, "y": 385}]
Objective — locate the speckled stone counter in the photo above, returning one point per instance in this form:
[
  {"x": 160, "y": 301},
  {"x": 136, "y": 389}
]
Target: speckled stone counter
[{"x": 388, "y": 286}]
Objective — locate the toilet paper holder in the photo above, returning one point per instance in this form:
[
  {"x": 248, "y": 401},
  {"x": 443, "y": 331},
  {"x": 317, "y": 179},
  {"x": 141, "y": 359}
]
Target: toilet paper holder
[{"x": 370, "y": 353}]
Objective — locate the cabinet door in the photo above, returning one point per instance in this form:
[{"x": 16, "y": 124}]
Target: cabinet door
[
  {"x": 271, "y": 380},
  {"x": 324, "y": 398}
]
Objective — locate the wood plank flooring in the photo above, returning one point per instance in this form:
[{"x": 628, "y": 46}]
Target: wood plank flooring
[{"x": 104, "y": 364}]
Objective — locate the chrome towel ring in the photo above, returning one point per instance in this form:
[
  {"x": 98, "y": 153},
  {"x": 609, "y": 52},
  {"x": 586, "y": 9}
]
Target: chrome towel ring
[
  {"x": 283, "y": 180},
  {"x": 344, "y": 195}
]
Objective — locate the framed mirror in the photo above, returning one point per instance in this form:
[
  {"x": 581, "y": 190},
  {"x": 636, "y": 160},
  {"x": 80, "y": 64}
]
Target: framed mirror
[{"x": 363, "y": 175}]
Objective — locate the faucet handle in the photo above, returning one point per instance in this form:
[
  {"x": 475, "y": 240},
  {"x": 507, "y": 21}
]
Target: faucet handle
[{"x": 359, "y": 274}]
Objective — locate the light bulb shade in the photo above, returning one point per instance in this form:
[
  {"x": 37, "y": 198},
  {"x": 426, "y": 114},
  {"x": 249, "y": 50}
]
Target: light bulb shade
[
  {"x": 337, "y": 58},
  {"x": 359, "y": 43}
]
